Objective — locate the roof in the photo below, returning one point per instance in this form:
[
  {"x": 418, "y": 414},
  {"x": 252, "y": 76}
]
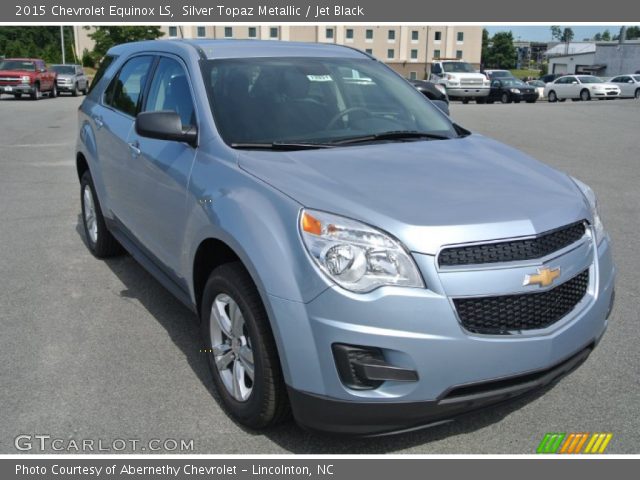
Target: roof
[
  {"x": 574, "y": 48},
  {"x": 229, "y": 48}
]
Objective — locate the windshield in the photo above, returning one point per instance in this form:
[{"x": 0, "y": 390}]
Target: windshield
[
  {"x": 636, "y": 78},
  {"x": 314, "y": 100},
  {"x": 17, "y": 65},
  {"x": 590, "y": 79},
  {"x": 536, "y": 83},
  {"x": 460, "y": 67},
  {"x": 513, "y": 82},
  {"x": 501, "y": 73},
  {"x": 64, "y": 69}
]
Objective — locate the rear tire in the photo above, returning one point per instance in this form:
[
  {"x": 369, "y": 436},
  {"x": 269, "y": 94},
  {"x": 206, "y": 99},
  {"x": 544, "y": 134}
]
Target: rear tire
[
  {"x": 99, "y": 239},
  {"x": 234, "y": 318},
  {"x": 53, "y": 93}
]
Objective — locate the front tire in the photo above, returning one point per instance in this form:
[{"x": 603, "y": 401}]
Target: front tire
[
  {"x": 585, "y": 96},
  {"x": 552, "y": 97},
  {"x": 35, "y": 94},
  {"x": 505, "y": 98},
  {"x": 637, "y": 94},
  {"x": 99, "y": 239},
  {"x": 240, "y": 349},
  {"x": 75, "y": 92}
]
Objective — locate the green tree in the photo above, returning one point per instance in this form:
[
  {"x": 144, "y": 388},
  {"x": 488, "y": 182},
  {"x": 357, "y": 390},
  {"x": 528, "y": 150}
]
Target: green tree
[
  {"x": 107, "y": 36},
  {"x": 606, "y": 36},
  {"x": 597, "y": 37},
  {"x": 502, "y": 53},
  {"x": 556, "y": 32},
  {"x": 633, "y": 33},
  {"x": 567, "y": 35},
  {"x": 40, "y": 42},
  {"x": 484, "y": 55}
]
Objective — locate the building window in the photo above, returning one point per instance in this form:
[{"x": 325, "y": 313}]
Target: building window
[
  {"x": 391, "y": 53},
  {"x": 273, "y": 32},
  {"x": 228, "y": 32},
  {"x": 413, "y": 75},
  {"x": 202, "y": 32},
  {"x": 458, "y": 54},
  {"x": 369, "y": 51},
  {"x": 415, "y": 35},
  {"x": 173, "y": 31},
  {"x": 414, "y": 54},
  {"x": 349, "y": 34},
  {"x": 253, "y": 32},
  {"x": 391, "y": 35},
  {"x": 438, "y": 36},
  {"x": 436, "y": 54},
  {"x": 368, "y": 35},
  {"x": 460, "y": 36},
  {"x": 328, "y": 33}
]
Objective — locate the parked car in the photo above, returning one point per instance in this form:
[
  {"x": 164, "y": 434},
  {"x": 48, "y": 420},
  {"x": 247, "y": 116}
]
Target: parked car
[
  {"x": 352, "y": 254},
  {"x": 538, "y": 85},
  {"x": 507, "y": 90},
  {"x": 432, "y": 91},
  {"x": 27, "y": 76},
  {"x": 550, "y": 77},
  {"x": 580, "y": 87},
  {"x": 629, "y": 85},
  {"x": 498, "y": 74},
  {"x": 71, "y": 79},
  {"x": 461, "y": 80}
]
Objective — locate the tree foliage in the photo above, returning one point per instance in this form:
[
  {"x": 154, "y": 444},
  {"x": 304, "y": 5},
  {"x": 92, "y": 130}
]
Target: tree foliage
[
  {"x": 36, "y": 42},
  {"x": 500, "y": 51},
  {"x": 107, "y": 36}
]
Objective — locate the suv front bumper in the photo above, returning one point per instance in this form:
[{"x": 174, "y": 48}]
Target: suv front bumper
[{"x": 418, "y": 330}]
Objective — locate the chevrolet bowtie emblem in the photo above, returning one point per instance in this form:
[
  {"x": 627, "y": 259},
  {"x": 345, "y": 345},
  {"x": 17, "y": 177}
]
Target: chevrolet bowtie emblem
[{"x": 544, "y": 277}]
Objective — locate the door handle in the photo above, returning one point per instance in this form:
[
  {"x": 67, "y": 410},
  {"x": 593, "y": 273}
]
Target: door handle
[
  {"x": 98, "y": 121},
  {"x": 134, "y": 148}
]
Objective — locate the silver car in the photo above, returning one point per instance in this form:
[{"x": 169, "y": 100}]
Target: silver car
[
  {"x": 71, "y": 79},
  {"x": 629, "y": 85},
  {"x": 353, "y": 256}
]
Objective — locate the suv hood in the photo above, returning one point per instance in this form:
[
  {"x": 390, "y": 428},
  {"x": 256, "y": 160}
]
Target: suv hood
[
  {"x": 66, "y": 76},
  {"x": 427, "y": 193}
]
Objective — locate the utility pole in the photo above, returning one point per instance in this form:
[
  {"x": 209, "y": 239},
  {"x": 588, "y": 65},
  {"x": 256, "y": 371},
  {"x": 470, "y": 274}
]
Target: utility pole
[{"x": 62, "y": 42}]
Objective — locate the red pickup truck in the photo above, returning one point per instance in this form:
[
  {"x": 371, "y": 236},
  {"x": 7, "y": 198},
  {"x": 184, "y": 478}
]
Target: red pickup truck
[{"x": 28, "y": 76}]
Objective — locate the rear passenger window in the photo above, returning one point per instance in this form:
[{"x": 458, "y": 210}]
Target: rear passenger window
[
  {"x": 104, "y": 64},
  {"x": 126, "y": 88},
  {"x": 170, "y": 91}
]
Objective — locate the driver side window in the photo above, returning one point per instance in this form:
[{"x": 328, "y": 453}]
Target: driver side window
[{"x": 170, "y": 91}]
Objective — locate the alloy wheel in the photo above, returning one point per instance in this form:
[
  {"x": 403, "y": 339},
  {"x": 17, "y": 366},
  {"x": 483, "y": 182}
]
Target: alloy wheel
[{"x": 90, "y": 218}]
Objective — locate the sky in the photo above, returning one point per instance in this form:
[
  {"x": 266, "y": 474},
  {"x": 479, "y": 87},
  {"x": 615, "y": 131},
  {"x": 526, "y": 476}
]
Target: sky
[{"x": 543, "y": 33}]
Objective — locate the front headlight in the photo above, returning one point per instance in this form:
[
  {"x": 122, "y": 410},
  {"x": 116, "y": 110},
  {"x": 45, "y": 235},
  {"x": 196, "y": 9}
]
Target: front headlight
[
  {"x": 25, "y": 79},
  {"x": 356, "y": 256},
  {"x": 514, "y": 90},
  {"x": 590, "y": 196}
]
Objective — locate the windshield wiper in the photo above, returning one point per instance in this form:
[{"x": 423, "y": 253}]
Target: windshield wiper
[
  {"x": 392, "y": 135},
  {"x": 280, "y": 146}
]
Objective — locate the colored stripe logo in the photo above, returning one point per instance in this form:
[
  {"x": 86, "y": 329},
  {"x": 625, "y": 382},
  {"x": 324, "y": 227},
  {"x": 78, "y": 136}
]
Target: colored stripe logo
[{"x": 571, "y": 443}]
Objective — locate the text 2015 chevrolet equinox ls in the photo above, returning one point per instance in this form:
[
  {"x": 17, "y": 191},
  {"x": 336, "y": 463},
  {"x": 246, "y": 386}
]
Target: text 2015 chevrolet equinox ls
[{"x": 353, "y": 255}]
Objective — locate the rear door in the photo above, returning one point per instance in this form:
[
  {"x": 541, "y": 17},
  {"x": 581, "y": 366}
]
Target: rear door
[
  {"x": 113, "y": 121},
  {"x": 162, "y": 168},
  {"x": 626, "y": 89}
]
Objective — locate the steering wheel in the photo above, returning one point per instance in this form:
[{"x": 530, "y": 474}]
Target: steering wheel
[{"x": 341, "y": 114}]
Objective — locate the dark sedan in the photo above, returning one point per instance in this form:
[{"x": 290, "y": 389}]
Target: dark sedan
[
  {"x": 507, "y": 90},
  {"x": 431, "y": 90}
]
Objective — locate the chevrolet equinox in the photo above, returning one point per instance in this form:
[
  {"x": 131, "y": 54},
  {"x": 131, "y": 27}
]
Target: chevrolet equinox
[{"x": 354, "y": 257}]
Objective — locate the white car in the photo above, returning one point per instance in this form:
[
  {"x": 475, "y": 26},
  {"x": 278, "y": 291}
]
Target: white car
[
  {"x": 580, "y": 87},
  {"x": 629, "y": 85},
  {"x": 539, "y": 86}
]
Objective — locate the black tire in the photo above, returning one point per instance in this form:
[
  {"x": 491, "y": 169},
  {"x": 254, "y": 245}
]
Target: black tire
[
  {"x": 585, "y": 96},
  {"x": 465, "y": 101},
  {"x": 505, "y": 98},
  {"x": 75, "y": 91},
  {"x": 481, "y": 100},
  {"x": 637, "y": 94},
  {"x": 552, "y": 97},
  {"x": 53, "y": 93},
  {"x": 35, "y": 94},
  {"x": 17, "y": 96},
  {"x": 85, "y": 90},
  {"x": 267, "y": 404},
  {"x": 105, "y": 245}
]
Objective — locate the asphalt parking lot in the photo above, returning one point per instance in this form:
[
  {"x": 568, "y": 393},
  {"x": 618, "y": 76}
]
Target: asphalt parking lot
[{"x": 99, "y": 350}]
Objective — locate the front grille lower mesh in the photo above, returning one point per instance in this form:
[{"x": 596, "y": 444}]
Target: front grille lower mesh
[
  {"x": 528, "y": 311},
  {"x": 515, "y": 250}
]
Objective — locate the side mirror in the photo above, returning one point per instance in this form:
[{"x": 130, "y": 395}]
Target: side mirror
[
  {"x": 442, "y": 106},
  {"x": 165, "y": 125},
  {"x": 42, "y": 70},
  {"x": 574, "y": 83},
  {"x": 629, "y": 81}
]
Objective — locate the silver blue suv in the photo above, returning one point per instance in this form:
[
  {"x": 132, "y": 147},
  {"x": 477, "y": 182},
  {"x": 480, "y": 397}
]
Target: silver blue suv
[{"x": 354, "y": 256}]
